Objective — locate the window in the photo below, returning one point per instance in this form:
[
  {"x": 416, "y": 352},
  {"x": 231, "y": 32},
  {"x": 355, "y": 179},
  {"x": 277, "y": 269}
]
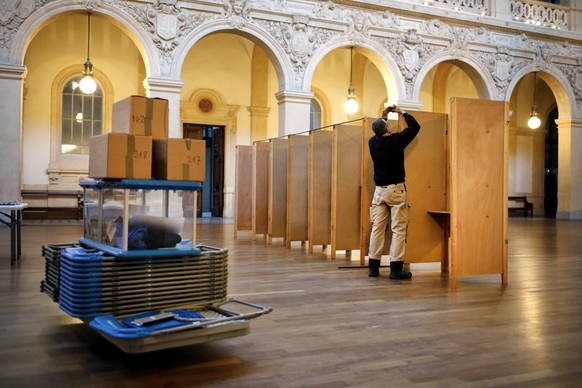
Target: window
[
  {"x": 82, "y": 117},
  {"x": 315, "y": 115}
]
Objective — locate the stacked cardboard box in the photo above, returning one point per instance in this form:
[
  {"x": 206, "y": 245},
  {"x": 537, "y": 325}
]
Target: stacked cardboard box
[
  {"x": 139, "y": 147},
  {"x": 179, "y": 159}
]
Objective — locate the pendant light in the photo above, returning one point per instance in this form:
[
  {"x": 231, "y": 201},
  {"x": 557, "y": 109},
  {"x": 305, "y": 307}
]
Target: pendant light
[
  {"x": 351, "y": 106},
  {"x": 534, "y": 121},
  {"x": 87, "y": 84}
]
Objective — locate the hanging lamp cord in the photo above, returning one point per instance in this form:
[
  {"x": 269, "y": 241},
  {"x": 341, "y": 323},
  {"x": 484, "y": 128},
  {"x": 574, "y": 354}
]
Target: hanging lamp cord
[{"x": 88, "y": 34}]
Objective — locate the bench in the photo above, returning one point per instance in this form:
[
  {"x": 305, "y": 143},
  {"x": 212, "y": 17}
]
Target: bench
[
  {"x": 520, "y": 203},
  {"x": 74, "y": 210}
]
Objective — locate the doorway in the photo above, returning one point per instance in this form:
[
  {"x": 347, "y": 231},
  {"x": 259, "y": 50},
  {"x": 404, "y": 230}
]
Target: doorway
[
  {"x": 551, "y": 166},
  {"x": 211, "y": 198}
]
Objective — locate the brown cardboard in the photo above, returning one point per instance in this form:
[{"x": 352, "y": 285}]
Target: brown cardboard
[
  {"x": 142, "y": 116},
  {"x": 120, "y": 156},
  {"x": 179, "y": 159}
]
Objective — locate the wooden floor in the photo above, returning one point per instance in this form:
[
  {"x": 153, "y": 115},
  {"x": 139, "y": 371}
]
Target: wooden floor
[{"x": 330, "y": 327}]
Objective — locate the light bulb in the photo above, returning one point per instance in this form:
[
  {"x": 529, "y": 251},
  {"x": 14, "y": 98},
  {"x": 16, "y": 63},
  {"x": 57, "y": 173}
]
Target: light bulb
[
  {"x": 87, "y": 85},
  {"x": 351, "y": 106},
  {"x": 534, "y": 122}
]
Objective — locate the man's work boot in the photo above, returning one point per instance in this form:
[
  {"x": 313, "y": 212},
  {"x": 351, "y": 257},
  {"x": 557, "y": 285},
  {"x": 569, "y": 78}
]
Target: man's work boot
[
  {"x": 373, "y": 268},
  {"x": 396, "y": 271}
]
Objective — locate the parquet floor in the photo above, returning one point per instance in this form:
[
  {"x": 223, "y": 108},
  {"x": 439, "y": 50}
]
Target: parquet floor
[{"x": 330, "y": 327}]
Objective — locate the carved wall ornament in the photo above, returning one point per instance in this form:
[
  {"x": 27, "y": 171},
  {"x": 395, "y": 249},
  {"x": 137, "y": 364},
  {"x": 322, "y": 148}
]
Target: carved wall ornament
[
  {"x": 410, "y": 53},
  {"x": 12, "y": 15},
  {"x": 358, "y": 28},
  {"x": 164, "y": 18},
  {"x": 329, "y": 11},
  {"x": 384, "y": 19},
  {"x": 503, "y": 69},
  {"x": 237, "y": 12},
  {"x": 205, "y": 105},
  {"x": 543, "y": 55},
  {"x": 459, "y": 42},
  {"x": 299, "y": 42},
  {"x": 435, "y": 27},
  {"x": 578, "y": 76}
]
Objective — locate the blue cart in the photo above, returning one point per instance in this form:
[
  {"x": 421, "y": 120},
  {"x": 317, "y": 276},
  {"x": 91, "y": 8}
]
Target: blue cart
[{"x": 137, "y": 276}]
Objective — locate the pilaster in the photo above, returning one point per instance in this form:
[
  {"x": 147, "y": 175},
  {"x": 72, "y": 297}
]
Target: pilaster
[
  {"x": 11, "y": 98},
  {"x": 170, "y": 89},
  {"x": 569, "y": 168},
  {"x": 294, "y": 110}
]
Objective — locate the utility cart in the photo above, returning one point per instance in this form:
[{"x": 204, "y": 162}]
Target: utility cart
[{"x": 138, "y": 277}]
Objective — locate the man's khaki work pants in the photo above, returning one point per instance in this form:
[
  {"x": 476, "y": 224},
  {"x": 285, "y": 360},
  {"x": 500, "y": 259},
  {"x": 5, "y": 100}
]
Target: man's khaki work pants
[{"x": 389, "y": 201}]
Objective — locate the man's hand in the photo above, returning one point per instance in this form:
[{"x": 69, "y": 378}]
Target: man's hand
[{"x": 387, "y": 110}]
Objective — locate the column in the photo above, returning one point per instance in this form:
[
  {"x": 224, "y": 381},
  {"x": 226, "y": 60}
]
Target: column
[
  {"x": 569, "y": 168},
  {"x": 170, "y": 89},
  {"x": 294, "y": 111},
  {"x": 11, "y": 82},
  {"x": 501, "y": 9}
]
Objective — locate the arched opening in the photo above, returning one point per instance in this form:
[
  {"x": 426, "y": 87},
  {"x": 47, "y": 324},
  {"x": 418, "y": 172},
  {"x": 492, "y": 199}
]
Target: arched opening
[
  {"x": 528, "y": 149},
  {"x": 332, "y": 77},
  {"x": 55, "y": 56},
  {"x": 231, "y": 90},
  {"x": 445, "y": 80}
]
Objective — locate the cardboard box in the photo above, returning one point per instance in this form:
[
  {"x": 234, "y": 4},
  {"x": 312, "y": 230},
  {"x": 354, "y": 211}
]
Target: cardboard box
[
  {"x": 142, "y": 116},
  {"x": 179, "y": 159},
  {"x": 120, "y": 156}
]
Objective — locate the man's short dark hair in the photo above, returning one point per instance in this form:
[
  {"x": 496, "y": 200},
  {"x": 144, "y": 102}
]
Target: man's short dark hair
[{"x": 379, "y": 127}]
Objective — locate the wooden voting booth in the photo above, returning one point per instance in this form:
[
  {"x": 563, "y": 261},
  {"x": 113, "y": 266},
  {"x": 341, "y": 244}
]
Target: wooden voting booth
[
  {"x": 320, "y": 187},
  {"x": 277, "y": 225},
  {"x": 297, "y": 193},
  {"x": 243, "y": 217},
  {"x": 346, "y": 188},
  {"x": 260, "y": 185},
  {"x": 426, "y": 166}
]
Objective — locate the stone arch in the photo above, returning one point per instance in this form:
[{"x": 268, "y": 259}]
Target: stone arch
[
  {"x": 558, "y": 84},
  {"x": 480, "y": 75},
  {"x": 278, "y": 57},
  {"x": 375, "y": 53},
  {"x": 45, "y": 15}
]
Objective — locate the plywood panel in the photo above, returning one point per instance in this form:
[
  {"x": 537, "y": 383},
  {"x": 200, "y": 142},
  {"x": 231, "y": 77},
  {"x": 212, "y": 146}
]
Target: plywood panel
[
  {"x": 425, "y": 161},
  {"x": 261, "y": 152},
  {"x": 478, "y": 187},
  {"x": 243, "y": 188},
  {"x": 297, "y": 182},
  {"x": 346, "y": 186},
  {"x": 319, "y": 200},
  {"x": 277, "y": 188}
]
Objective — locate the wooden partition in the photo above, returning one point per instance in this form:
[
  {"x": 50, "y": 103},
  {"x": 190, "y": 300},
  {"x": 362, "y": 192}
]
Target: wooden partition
[
  {"x": 478, "y": 188},
  {"x": 425, "y": 162},
  {"x": 260, "y": 185},
  {"x": 345, "y": 189},
  {"x": 297, "y": 182},
  {"x": 319, "y": 188},
  {"x": 277, "y": 189},
  {"x": 243, "y": 189}
]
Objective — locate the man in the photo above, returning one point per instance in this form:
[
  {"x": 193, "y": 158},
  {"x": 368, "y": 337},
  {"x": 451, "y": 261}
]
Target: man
[{"x": 387, "y": 151}]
